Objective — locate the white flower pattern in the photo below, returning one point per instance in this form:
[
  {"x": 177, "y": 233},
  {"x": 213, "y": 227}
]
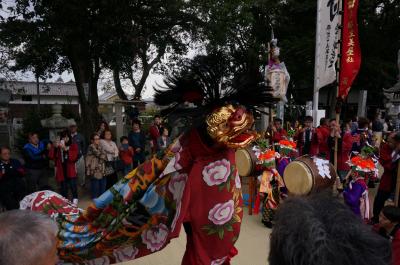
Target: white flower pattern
[
  {"x": 238, "y": 183},
  {"x": 217, "y": 172},
  {"x": 177, "y": 185},
  {"x": 156, "y": 237},
  {"x": 222, "y": 213},
  {"x": 125, "y": 254}
]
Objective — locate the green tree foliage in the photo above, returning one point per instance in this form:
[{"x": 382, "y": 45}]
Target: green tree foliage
[
  {"x": 143, "y": 32},
  {"x": 131, "y": 38},
  {"x": 379, "y": 25},
  {"x": 46, "y": 34},
  {"x": 241, "y": 29}
]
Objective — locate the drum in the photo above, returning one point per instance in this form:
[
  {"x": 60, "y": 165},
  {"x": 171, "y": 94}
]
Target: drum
[
  {"x": 246, "y": 161},
  {"x": 309, "y": 174}
]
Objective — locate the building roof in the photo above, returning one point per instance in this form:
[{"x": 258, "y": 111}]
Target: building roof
[
  {"x": 111, "y": 96},
  {"x": 50, "y": 89},
  {"x": 107, "y": 95}
]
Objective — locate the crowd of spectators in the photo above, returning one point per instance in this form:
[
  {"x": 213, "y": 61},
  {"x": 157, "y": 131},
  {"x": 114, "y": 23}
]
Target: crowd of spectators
[{"x": 99, "y": 164}]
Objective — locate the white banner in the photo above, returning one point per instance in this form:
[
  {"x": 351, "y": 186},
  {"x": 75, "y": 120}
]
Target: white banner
[{"x": 327, "y": 37}]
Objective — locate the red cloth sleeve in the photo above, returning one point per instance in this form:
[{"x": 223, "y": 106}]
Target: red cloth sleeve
[
  {"x": 154, "y": 133},
  {"x": 347, "y": 142},
  {"x": 277, "y": 136},
  {"x": 385, "y": 156},
  {"x": 52, "y": 153},
  {"x": 73, "y": 153}
]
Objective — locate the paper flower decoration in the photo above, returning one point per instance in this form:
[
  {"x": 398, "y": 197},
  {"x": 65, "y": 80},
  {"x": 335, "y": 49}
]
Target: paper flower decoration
[
  {"x": 363, "y": 164},
  {"x": 267, "y": 158}
]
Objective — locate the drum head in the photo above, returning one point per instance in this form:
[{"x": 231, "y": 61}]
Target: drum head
[
  {"x": 298, "y": 178},
  {"x": 243, "y": 162}
]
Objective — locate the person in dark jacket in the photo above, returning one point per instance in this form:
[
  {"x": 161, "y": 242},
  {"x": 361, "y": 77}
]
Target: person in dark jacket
[
  {"x": 305, "y": 136},
  {"x": 78, "y": 139},
  {"x": 36, "y": 161},
  {"x": 164, "y": 140},
  {"x": 389, "y": 227},
  {"x": 12, "y": 184},
  {"x": 362, "y": 136},
  {"x": 137, "y": 140}
]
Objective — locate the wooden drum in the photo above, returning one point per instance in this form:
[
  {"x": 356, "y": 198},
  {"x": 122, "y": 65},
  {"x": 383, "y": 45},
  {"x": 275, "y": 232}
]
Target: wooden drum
[
  {"x": 246, "y": 162},
  {"x": 309, "y": 174}
]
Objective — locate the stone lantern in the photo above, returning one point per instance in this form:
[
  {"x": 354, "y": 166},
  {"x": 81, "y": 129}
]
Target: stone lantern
[{"x": 56, "y": 123}]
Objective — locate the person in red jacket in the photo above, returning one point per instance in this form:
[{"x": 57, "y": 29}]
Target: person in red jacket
[
  {"x": 65, "y": 154},
  {"x": 155, "y": 131},
  {"x": 322, "y": 135},
  {"x": 126, "y": 154},
  {"x": 389, "y": 226},
  {"x": 389, "y": 159},
  {"x": 277, "y": 132},
  {"x": 345, "y": 142}
]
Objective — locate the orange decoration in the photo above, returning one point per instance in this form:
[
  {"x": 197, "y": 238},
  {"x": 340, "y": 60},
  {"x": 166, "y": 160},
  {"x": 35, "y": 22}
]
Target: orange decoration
[
  {"x": 363, "y": 163},
  {"x": 288, "y": 143}
]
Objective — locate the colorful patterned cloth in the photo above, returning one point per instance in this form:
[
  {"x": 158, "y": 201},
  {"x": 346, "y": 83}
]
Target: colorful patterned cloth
[
  {"x": 356, "y": 197},
  {"x": 192, "y": 184},
  {"x": 272, "y": 186}
]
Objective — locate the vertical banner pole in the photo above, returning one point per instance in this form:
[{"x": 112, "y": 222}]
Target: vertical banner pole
[
  {"x": 316, "y": 74},
  {"x": 270, "y": 107},
  {"x": 338, "y": 107}
]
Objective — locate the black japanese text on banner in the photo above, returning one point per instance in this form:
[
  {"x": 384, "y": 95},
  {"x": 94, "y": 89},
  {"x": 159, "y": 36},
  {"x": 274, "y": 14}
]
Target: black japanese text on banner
[{"x": 327, "y": 38}]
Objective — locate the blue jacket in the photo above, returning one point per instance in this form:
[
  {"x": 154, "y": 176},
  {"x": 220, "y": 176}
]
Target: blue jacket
[{"x": 35, "y": 157}]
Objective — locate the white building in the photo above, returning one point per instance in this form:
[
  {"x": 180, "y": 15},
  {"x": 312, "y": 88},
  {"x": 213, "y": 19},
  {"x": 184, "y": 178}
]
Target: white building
[{"x": 25, "y": 96}]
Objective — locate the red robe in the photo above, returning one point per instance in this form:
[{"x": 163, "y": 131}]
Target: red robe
[
  {"x": 299, "y": 137},
  {"x": 344, "y": 152},
  {"x": 385, "y": 159},
  {"x": 194, "y": 185},
  {"x": 154, "y": 134},
  {"x": 279, "y": 135},
  {"x": 55, "y": 154},
  {"x": 322, "y": 140}
]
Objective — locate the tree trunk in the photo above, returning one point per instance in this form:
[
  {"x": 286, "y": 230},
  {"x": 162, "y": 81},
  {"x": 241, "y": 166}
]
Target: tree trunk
[
  {"x": 140, "y": 85},
  {"x": 117, "y": 84},
  {"x": 147, "y": 66},
  {"x": 86, "y": 73},
  {"x": 38, "y": 94}
]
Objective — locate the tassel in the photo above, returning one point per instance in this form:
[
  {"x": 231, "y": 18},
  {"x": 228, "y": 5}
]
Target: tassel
[{"x": 257, "y": 204}]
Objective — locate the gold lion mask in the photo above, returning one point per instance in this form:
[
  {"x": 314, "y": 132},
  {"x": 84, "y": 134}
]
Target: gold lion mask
[{"x": 231, "y": 126}]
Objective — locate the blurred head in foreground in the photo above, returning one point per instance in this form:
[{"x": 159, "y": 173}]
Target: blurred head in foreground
[
  {"x": 319, "y": 229},
  {"x": 27, "y": 238}
]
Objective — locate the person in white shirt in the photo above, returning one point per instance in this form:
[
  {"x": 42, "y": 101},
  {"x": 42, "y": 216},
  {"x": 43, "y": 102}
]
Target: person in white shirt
[{"x": 112, "y": 152}]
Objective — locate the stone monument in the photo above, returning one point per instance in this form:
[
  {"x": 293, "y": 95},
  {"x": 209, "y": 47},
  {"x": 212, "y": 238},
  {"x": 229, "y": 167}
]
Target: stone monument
[
  {"x": 56, "y": 123},
  {"x": 393, "y": 94}
]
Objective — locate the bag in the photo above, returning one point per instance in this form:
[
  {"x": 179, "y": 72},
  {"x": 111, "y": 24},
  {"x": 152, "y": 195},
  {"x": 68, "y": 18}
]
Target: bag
[
  {"x": 109, "y": 168},
  {"x": 118, "y": 165},
  {"x": 114, "y": 166}
]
